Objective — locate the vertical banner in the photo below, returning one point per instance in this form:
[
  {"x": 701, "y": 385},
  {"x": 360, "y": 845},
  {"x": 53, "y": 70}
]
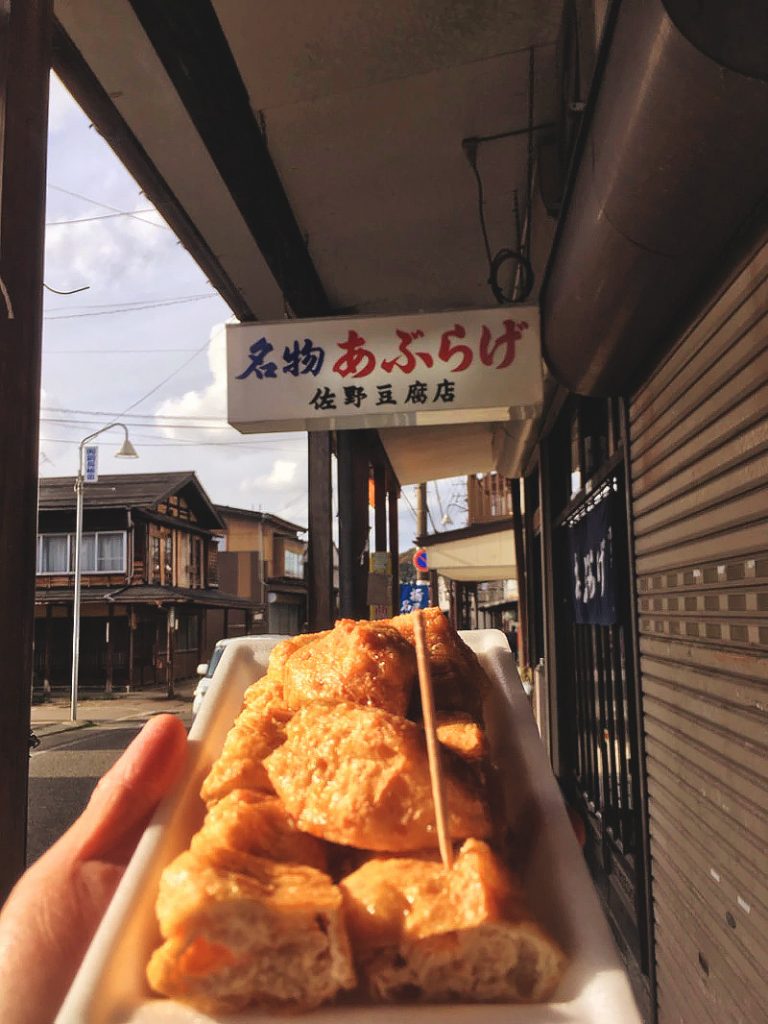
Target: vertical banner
[
  {"x": 91, "y": 464},
  {"x": 592, "y": 565}
]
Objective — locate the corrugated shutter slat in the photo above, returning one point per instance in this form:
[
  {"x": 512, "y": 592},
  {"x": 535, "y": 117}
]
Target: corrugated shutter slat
[{"x": 699, "y": 490}]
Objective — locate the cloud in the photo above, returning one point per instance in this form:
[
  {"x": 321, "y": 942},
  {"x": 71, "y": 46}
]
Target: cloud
[
  {"x": 210, "y": 401},
  {"x": 282, "y": 474}
]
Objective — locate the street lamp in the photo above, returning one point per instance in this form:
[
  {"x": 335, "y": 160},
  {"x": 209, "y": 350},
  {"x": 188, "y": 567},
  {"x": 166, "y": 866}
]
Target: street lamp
[{"x": 127, "y": 451}]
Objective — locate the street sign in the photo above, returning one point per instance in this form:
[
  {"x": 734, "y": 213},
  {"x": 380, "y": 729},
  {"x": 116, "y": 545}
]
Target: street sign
[
  {"x": 413, "y": 595},
  {"x": 420, "y": 560},
  {"x": 91, "y": 465},
  {"x": 421, "y": 369}
]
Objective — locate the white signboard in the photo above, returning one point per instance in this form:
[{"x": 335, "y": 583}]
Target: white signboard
[
  {"x": 461, "y": 366},
  {"x": 91, "y": 465}
]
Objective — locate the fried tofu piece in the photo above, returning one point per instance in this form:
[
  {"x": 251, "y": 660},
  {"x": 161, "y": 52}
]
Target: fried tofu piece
[
  {"x": 458, "y": 679},
  {"x": 248, "y": 931},
  {"x": 285, "y": 649},
  {"x": 366, "y": 663},
  {"x": 257, "y": 731},
  {"x": 266, "y": 692},
  {"x": 360, "y": 777},
  {"x": 423, "y": 933},
  {"x": 256, "y": 823},
  {"x": 463, "y": 736}
]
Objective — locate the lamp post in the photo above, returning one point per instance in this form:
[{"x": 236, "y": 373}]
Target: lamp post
[{"x": 127, "y": 451}]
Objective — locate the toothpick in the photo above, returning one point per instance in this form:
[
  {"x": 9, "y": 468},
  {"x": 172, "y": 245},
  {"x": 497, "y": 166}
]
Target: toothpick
[{"x": 433, "y": 749}]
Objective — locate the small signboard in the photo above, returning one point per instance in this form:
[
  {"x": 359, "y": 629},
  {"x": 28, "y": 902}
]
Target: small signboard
[
  {"x": 413, "y": 595},
  {"x": 91, "y": 464},
  {"x": 379, "y": 585},
  {"x": 420, "y": 560},
  {"x": 477, "y": 365}
]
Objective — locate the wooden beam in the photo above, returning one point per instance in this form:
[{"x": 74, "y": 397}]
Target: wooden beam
[
  {"x": 25, "y": 34},
  {"x": 190, "y": 43},
  {"x": 352, "y": 453},
  {"x": 393, "y": 493},
  {"x": 321, "y": 604},
  {"x": 522, "y": 602},
  {"x": 380, "y": 506}
]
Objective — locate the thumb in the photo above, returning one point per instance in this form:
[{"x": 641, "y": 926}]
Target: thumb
[{"x": 127, "y": 795}]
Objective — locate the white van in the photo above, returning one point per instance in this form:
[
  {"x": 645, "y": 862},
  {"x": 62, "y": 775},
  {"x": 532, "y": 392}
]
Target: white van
[{"x": 206, "y": 673}]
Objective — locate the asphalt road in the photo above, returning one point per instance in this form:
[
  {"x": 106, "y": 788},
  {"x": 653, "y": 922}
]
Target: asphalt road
[{"x": 63, "y": 773}]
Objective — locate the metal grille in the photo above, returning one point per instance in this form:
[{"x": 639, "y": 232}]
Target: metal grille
[{"x": 604, "y": 764}]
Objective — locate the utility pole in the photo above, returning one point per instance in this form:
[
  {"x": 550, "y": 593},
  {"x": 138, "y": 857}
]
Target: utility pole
[{"x": 421, "y": 521}]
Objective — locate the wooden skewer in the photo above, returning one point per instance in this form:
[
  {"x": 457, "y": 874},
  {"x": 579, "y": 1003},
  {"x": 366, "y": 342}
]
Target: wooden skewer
[{"x": 433, "y": 750}]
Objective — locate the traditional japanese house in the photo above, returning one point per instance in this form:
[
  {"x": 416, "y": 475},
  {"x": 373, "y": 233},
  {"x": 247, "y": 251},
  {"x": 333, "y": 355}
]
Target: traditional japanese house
[{"x": 151, "y": 604}]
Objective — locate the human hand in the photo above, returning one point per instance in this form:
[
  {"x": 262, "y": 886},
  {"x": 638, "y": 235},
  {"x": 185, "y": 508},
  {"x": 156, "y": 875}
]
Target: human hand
[{"x": 52, "y": 913}]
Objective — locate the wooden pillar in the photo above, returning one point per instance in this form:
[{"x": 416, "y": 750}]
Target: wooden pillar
[
  {"x": 433, "y": 588},
  {"x": 522, "y": 602},
  {"x": 226, "y": 623},
  {"x": 25, "y": 32},
  {"x": 131, "y": 643},
  {"x": 421, "y": 523},
  {"x": 201, "y": 634},
  {"x": 393, "y": 491},
  {"x": 110, "y": 647},
  {"x": 170, "y": 633},
  {"x": 352, "y": 456},
  {"x": 321, "y": 604},
  {"x": 552, "y": 737},
  {"x": 47, "y": 638}
]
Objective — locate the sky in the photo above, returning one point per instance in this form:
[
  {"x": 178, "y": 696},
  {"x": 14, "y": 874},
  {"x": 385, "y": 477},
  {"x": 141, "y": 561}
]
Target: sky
[{"x": 144, "y": 343}]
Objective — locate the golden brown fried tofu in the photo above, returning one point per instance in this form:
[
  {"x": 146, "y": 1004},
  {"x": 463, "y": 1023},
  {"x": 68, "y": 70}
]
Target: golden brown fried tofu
[
  {"x": 427, "y": 934},
  {"x": 360, "y": 776},
  {"x": 256, "y": 733},
  {"x": 285, "y": 649},
  {"x": 266, "y": 692},
  {"x": 366, "y": 663},
  {"x": 248, "y": 931},
  {"x": 463, "y": 736},
  {"x": 257, "y": 823},
  {"x": 458, "y": 679}
]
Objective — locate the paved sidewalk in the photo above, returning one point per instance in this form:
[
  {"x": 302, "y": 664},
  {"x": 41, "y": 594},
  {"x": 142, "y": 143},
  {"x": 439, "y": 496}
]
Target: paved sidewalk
[{"x": 54, "y": 715}]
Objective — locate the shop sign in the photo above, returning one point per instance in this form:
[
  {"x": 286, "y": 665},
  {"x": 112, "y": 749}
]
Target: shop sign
[
  {"x": 413, "y": 595},
  {"x": 593, "y": 565},
  {"x": 391, "y": 371}
]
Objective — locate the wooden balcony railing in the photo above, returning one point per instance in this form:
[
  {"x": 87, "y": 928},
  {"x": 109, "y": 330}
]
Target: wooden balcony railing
[{"x": 488, "y": 498}]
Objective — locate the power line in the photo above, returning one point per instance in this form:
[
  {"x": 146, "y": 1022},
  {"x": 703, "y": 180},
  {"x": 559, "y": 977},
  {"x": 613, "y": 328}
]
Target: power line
[
  {"x": 133, "y": 302},
  {"x": 132, "y": 309},
  {"x": 106, "y": 206},
  {"x": 113, "y": 352},
  {"x": 133, "y": 416},
  {"x": 99, "y": 216},
  {"x": 149, "y": 443}
]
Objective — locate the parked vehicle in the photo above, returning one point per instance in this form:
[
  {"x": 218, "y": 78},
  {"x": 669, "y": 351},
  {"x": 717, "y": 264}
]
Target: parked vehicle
[{"x": 205, "y": 671}]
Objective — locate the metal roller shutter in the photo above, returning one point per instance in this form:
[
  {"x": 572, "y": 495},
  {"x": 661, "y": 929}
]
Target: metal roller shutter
[{"x": 699, "y": 494}]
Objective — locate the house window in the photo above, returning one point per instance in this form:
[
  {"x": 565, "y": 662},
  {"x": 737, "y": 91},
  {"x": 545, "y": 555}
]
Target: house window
[
  {"x": 154, "y": 559},
  {"x": 168, "y": 560},
  {"x": 294, "y": 564},
  {"x": 53, "y": 553},
  {"x": 99, "y": 552}
]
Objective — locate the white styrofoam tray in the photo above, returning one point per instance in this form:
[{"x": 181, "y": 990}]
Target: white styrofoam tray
[{"x": 110, "y": 987}]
